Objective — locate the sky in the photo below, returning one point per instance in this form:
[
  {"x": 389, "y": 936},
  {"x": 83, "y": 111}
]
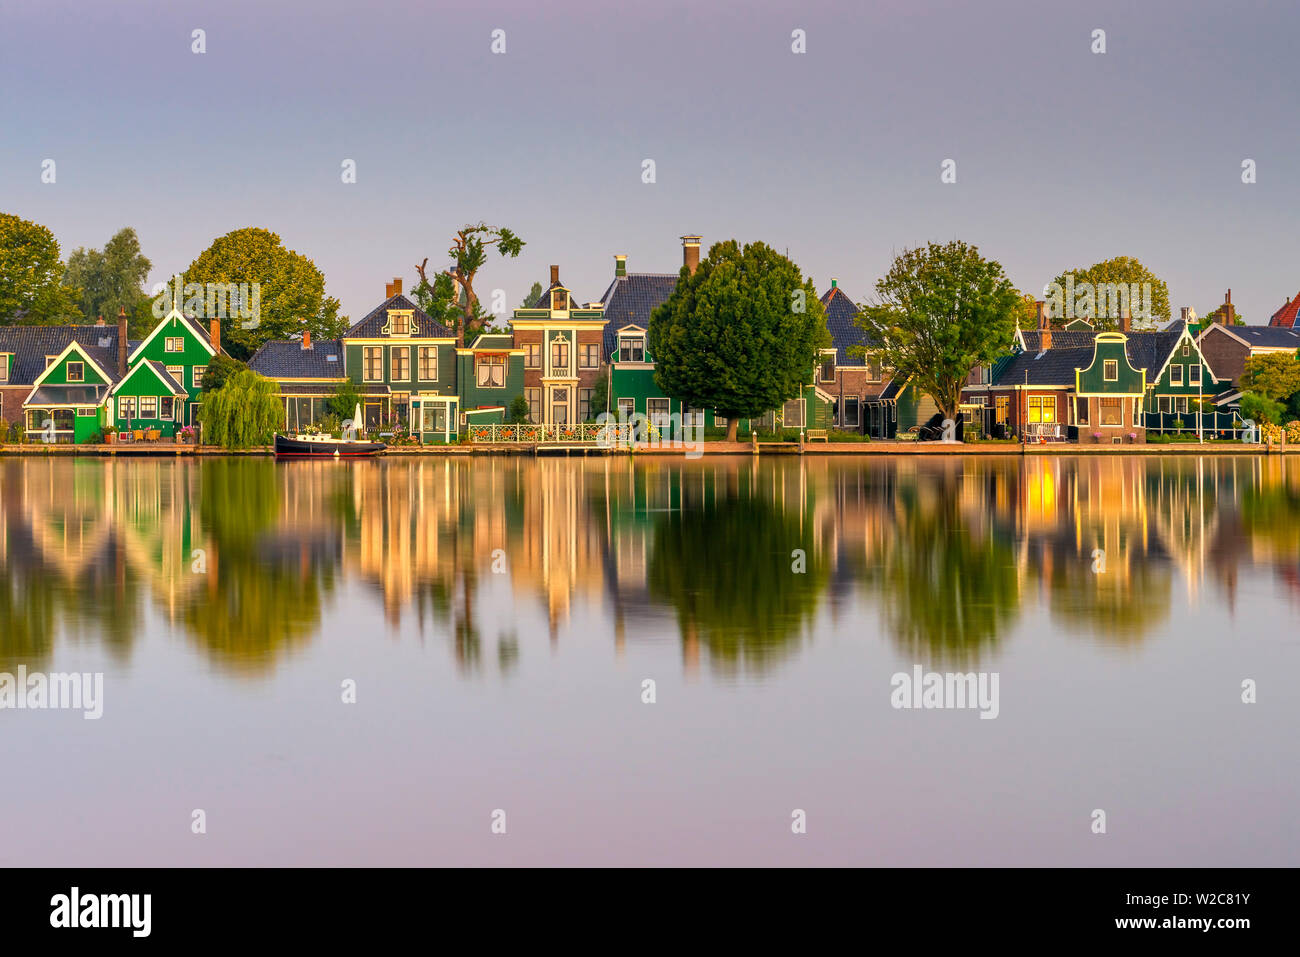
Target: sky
[{"x": 1064, "y": 157}]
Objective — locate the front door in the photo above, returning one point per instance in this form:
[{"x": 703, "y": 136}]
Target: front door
[{"x": 560, "y": 406}]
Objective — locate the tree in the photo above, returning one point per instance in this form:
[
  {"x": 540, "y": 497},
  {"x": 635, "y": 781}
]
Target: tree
[
  {"x": 110, "y": 279},
  {"x": 220, "y": 368},
  {"x": 468, "y": 253},
  {"x": 30, "y": 274},
  {"x": 533, "y": 295},
  {"x": 1120, "y": 270},
  {"x": 1261, "y": 409},
  {"x": 1273, "y": 375},
  {"x": 518, "y": 412},
  {"x": 243, "y": 413},
  {"x": 941, "y": 311},
  {"x": 1027, "y": 318},
  {"x": 345, "y": 400},
  {"x": 740, "y": 336},
  {"x": 292, "y": 290}
]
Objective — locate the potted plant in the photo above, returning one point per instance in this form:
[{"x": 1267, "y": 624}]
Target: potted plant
[{"x": 110, "y": 432}]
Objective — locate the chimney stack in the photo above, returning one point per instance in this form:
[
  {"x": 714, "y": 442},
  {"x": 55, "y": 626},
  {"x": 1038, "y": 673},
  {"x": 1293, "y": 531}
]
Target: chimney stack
[
  {"x": 121, "y": 341},
  {"x": 691, "y": 253},
  {"x": 214, "y": 333},
  {"x": 1044, "y": 326},
  {"x": 1186, "y": 313},
  {"x": 1125, "y": 320},
  {"x": 99, "y": 320},
  {"x": 620, "y": 266},
  {"x": 1228, "y": 313},
  {"x": 306, "y": 338},
  {"x": 393, "y": 288},
  {"x": 555, "y": 275},
  {"x": 835, "y": 283}
]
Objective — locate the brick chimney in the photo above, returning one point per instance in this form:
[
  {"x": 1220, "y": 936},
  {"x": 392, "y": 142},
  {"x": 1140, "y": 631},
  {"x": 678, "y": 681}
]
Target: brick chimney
[
  {"x": 393, "y": 288},
  {"x": 214, "y": 333},
  {"x": 1186, "y": 313},
  {"x": 121, "y": 341},
  {"x": 691, "y": 253},
  {"x": 620, "y": 265},
  {"x": 555, "y": 275},
  {"x": 1125, "y": 320},
  {"x": 99, "y": 320},
  {"x": 306, "y": 338},
  {"x": 1228, "y": 313},
  {"x": 1044, "y": 326}
]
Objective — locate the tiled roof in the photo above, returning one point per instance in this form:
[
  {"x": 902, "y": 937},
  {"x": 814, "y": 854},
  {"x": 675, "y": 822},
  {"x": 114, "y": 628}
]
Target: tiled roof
[
  {"x": 630, "y": 299},
  {"x": 1285, "y": 317},
  {"x": 1146, "y": 350},
  {"x": 31, "y": 344},
  {"x": 372, "y": 325},
  {"x": 1266, "y": 337},
  {"x": 1149, "y": 350},
  {"x": 845, "y": 333},
  {"x": 1055, "y": 367},
  {"x": 166, "y": 376},
  {"x": 1061, "y": 339},
  {"x": 289, "y": 360}
]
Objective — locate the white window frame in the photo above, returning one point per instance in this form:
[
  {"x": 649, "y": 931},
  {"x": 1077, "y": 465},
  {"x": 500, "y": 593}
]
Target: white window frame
[
  {"x": 81, "y": 372},
  {"x": 145, "y": 399},
  {"x": 1194, "y": 375},
  {"x": 629, "y": 344},
  {"x": 1107, "y": 367},
  {"x": 422, "y": 353},
  {"x": 366, "y": 353},
  {"x": 1175, "y": 375},
  {"x": 405, "y": 351}
]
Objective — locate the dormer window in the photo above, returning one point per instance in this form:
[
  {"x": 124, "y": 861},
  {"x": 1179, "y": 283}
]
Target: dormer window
[
  {"x": 399, "y": 322},
  {"x": 76, "y": 372},
  {"x": 631, "y": 349},
  {"x": 175, "y": 344},
  {"x": 559, "y": 300}
]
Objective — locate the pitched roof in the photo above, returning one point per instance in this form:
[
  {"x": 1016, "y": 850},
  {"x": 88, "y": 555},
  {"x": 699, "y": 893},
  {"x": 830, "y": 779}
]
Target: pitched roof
[
  {"x": 31, "y": 344},
  {"x": 845, "y": 333},
  {"x": 493, "y": 340},
  {"x": 422, "y": 324},
  {"x": 1061, "y": 339},
  {"x": 630, "y": 299},
  {"x": 158, "y": 367},
  {"x": 1285, "y": 317},
  {"x": 1053, "y": 367},
  {"x": 1262, "y": 337},
  {"x": 1146, "y": 350},
  {"x": 279, "y": 359}
]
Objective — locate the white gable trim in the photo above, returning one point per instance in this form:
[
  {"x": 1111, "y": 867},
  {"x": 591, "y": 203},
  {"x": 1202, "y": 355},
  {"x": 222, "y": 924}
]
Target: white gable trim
[
  {"x": 149, "y": 365},
  {"x": 108, "y": 379},
  {"x": 162, "y": 323}
]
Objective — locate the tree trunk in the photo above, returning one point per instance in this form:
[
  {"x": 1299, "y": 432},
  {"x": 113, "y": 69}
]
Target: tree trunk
[
  {"x": 952, "y": 411},
  {"x": 731, "y": 428}
]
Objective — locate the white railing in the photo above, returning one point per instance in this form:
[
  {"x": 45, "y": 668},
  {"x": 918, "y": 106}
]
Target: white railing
[{"x": 606, "y": 436}]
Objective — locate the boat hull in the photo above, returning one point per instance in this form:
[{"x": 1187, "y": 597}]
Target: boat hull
[{"x": 288, "y": 448}]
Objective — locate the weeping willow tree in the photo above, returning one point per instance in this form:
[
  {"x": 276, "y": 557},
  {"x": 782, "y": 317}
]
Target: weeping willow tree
[{"x": 241, "y": 414}]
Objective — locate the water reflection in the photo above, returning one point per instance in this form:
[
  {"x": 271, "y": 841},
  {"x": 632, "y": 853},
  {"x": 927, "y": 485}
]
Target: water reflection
[{"x": 733, "y": 558}]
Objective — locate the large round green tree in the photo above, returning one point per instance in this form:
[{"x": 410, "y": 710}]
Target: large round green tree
[
  {"x": 292, "y": 290},
  {"x": 740, "y": 335},
  {"x": 1105, "y": 278},
  {"x": 30, "y": 272},
  {"x": 941, "y": 311}
]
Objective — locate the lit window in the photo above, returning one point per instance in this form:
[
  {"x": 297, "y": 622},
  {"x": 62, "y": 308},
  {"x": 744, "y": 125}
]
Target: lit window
[
  {"x": 491, "y": 371},
  {"x": 175, "y": 344},
  {"x": 533, "y": 359},
  {"x": 76, "y": 372}
]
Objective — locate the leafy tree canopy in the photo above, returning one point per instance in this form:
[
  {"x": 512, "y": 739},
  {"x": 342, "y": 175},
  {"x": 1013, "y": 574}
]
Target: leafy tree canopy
[
  {"x": 243, "y": 413},
  {"x": 1273, "y": 375},
  {"x": 30, "y": 272},
  {"x": 940, "y": 311},
  {"x": 1121, "y": 269},
  {"x": 450, "y": 294},
  {"x": 111, "y": 279},
  {"x": 292, "y": 290},
  {"x": 741, "y": 335}
]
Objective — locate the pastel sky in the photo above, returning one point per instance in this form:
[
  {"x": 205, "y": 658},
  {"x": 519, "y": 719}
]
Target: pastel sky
[{"x": 1064, "y": 157}]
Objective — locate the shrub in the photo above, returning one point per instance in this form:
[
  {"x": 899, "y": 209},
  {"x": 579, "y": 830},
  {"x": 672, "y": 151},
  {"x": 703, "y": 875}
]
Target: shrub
[{"x": 517, "y": 413}]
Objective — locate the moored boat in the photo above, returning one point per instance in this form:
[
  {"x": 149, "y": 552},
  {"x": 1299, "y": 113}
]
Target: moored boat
[{"x": 323, "y": 447}]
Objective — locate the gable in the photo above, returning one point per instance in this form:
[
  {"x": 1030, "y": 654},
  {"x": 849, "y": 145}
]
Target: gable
[
  {"x": 148, "y": 378},
  {"x": 57, "y": 372},
  {"x": 196, "y": 347},
  {"x": 1108, "y": 348}
]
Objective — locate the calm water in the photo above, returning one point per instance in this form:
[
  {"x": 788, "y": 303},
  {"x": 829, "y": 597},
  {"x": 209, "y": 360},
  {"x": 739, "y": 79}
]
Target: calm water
[{"x": 499, "y": 617}]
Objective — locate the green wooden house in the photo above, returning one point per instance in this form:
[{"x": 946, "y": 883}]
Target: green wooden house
[
  {"x": 1108, "y": 394},
  {"x": 164, "y": 379},
  {"x": 69, "y": 399}
]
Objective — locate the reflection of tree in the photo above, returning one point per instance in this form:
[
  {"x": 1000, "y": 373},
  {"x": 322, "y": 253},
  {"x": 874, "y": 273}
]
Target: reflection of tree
[
  {"x": 263, "y": 590},
  {"x": 725, "y": 566},
  {"x": 26, "y": 620},
  {"x": 1270, "y": 516},
  {"x": 1121, "y": 605},
  {"x": 945, "y": 592}
]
